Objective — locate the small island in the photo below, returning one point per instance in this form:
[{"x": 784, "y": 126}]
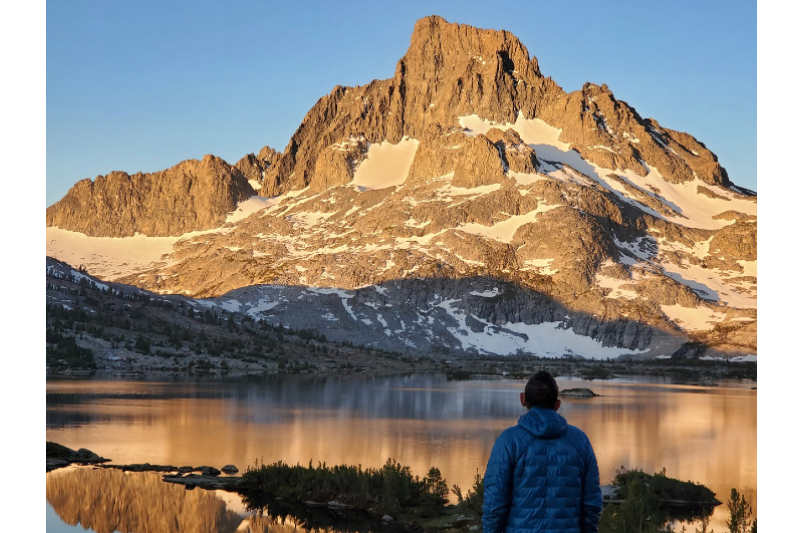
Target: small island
[{"x": 577, "y": 393}]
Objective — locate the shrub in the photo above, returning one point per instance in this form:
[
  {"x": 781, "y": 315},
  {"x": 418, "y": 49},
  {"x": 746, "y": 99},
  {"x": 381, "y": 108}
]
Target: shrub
[
  {"x": 638, "y": 513},
  {"x": 472, "y": 504}
]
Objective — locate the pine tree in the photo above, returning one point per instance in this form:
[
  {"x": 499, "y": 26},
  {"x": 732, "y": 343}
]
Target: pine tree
[{"x": 741, "y": 512}]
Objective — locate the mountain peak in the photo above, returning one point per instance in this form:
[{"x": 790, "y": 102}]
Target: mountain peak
[{"x": 435, "y": 40}]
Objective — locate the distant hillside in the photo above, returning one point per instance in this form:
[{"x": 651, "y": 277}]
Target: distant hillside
[
  {"x": 94, "y": 326},
  {"x": 112, "y": 327}
]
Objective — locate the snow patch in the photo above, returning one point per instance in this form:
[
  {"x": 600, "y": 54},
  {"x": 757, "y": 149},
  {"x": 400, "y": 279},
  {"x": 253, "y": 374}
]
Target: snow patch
[
  {"x": 532, "y": 131},
  {"x": 751, "y": 358},
  {"x": 692, "y": 318},
  {"x": 487, "y": 294},
  {"x": 615, "y": 285},
  {"x": 632, "y": 138},
  {"x": 264, "y": 304},
  {"x": 386, "y": 165},
  {"x": 504, "y": 231},
  {"x": 711, "y": 284},
  {"x": 542, "y": 265},
  {"x": 309, "y": 219},
  {"x": 77, "y": 276},
  {"x": 464, "y": 191},
  {"x": 643, "y": 247},
  {"x": 341, "y": 293},
  {"x": 700, "y": 249},
  {"x": 750, "y": 267},
  {"x": 525, "y": 179},
  {"x": 248, "y": 207},
  {"x": 233, "y": 306},
  {"x": 548, "y": 339},
  {"x": 109, "y": 257}
]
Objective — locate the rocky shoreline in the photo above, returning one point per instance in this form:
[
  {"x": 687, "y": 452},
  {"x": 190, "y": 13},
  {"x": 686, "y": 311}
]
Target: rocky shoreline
[
  {"x": 59, "y": 456},
  {"x": 225, "y": 478}
]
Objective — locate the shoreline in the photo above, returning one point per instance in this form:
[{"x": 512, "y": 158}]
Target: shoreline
[{"x": 691, "y": 372}]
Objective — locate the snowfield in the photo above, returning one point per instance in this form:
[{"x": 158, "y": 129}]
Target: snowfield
[{"x": 108, "y": 257}]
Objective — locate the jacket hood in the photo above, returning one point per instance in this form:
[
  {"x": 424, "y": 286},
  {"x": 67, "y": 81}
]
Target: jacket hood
[{"x": 543, "y": 423}]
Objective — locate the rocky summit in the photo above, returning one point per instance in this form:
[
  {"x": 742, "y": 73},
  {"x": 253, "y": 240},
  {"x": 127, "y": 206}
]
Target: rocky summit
[{"x": 467, "y": 204}]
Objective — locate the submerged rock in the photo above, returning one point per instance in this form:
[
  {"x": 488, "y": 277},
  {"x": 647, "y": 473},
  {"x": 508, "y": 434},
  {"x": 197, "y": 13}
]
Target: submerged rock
[
  {"x": 204, "y": 482},
  {"x": 143, "y": 467}
]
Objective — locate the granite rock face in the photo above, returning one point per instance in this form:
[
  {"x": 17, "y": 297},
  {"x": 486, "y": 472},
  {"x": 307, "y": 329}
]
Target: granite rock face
[
  {"x": 253, "y": 167},
  {"x": 192, "y": 195}
]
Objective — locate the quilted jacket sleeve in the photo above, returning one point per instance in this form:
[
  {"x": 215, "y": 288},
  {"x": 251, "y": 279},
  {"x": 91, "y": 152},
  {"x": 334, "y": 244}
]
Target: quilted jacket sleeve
[
  {"x": 592, "y": 500},
  {"x": 497, "y": 486}
]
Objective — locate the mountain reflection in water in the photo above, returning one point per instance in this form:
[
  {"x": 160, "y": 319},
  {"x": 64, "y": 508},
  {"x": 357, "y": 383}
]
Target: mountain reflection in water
[
  {"x": 702, "y": 434},
  {"x": 108, "y": 500}
]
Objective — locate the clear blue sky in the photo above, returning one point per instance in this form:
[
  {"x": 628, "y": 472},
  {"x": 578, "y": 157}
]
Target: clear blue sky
[{"x": 141, "y": 86}]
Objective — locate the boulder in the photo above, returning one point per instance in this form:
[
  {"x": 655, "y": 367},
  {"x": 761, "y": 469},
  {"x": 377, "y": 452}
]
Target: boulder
[
  {"x": 207, "y": 470},
  {"x": 230, "y": 469}
]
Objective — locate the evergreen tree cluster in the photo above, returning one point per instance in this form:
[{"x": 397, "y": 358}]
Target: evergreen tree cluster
[{"x": 388, "y": 489}]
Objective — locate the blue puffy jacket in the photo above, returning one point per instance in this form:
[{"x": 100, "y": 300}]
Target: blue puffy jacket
[{"x": 542, "y": 477}]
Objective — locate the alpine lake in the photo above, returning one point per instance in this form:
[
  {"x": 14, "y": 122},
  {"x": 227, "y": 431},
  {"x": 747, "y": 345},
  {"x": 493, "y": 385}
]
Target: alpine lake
[{"x": 701, "y": 433}]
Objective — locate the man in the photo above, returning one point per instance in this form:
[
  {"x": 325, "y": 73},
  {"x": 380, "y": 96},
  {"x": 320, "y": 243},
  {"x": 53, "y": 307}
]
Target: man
[{"x": 542, "y": 473}]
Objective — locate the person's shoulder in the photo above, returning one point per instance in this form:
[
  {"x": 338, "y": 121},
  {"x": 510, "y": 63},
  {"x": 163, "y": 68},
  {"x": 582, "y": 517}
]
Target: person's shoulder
[
  {"x": 512, "y": 435},
  {"x": 576, "y": 435}
]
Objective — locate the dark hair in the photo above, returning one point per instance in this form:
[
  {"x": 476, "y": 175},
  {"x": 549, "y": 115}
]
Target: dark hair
[{"x": 541, "y": 391}]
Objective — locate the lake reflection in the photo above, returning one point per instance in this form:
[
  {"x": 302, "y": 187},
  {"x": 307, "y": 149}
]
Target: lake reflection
[
  {"x": 704, "y": 434},
  {"x": 106, "y": 500}
]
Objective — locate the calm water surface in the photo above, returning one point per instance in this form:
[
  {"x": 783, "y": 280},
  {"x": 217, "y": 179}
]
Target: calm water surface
[{"x": 703, "y": 434}]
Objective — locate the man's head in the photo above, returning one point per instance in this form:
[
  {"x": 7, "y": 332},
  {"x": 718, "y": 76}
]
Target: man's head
[{"x": 541, "y": 391}]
